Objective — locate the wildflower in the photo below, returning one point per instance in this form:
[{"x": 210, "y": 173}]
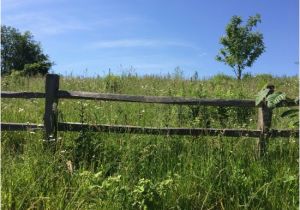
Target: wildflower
[{"x": 20, "y": 110}]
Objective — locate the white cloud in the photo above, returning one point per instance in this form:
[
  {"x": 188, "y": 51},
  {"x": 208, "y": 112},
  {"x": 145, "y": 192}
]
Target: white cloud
[
  {"x": 15, "y": 4},
  {"x": 44, "y": 23},
  {"x": 128, "y": 43},
  {"x": 124, "y": 43},
  {"x": 40, "y": 23}
]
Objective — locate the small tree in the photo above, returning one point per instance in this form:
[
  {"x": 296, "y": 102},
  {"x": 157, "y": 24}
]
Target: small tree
[
  {"x": 19, "y": 52},
  {"x": 242, "y": 46}
]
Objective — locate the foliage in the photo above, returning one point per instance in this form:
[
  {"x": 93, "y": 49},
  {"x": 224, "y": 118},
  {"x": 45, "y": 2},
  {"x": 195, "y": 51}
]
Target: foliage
[
  {"x": 292, "y": 114},
  {"x": 36, "y": 68},
  {"x": 273, "y": 99},
  {"x": 133, "y": 171},
  {"x": 20, "y": 52},
  {"x": 261, "y": 95},
  {"x": 147, "y": 195},
  {"x": 221, "y": 78},
  {"x": 113, "y": 84},
  {"x": 242, "y": 46}
]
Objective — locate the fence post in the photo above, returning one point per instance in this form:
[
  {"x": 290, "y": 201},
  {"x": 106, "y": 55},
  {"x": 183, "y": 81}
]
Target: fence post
[
  {"x": 264, "y": 124},
  {"x": 51, "y": 102}
]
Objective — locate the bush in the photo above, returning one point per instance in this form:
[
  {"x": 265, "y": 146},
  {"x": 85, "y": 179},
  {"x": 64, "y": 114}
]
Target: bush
[
  {"x": 36, "y": 68},
  {"x": 222, "y": 77}
]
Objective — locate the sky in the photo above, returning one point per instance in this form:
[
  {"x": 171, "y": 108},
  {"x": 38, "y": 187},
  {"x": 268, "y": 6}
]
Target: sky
[{"x": 93, "y": 37}]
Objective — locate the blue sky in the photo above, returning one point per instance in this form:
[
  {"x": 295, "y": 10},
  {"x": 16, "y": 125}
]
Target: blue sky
[{"x": 153, "y": 37}]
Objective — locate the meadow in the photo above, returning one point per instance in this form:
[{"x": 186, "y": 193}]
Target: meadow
[{"x": 89, "y": 170}]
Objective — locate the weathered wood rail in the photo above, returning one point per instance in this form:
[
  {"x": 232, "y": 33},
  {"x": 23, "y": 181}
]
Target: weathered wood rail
[
  {"x": 52, "y": 126},
  {"x": 75, "y": 127},
  {"x": 142, "y": 99}
]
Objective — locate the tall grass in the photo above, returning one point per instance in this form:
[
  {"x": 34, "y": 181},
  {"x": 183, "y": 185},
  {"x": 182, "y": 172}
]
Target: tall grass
[{"x": 126, "y": 171}]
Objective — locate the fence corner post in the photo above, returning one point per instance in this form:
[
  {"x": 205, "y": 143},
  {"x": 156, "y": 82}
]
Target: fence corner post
[
  {"x": 264, "y": 124},
  {"x": 51, "y": 102}
]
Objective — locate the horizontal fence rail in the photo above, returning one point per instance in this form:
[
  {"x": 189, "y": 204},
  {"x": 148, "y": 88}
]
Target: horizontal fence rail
[
  {"x": 10, "y": 94},
  {"x": 21, "y": 126},
  {"x": 76, "y": 127},
  {"x": 173, "y": 131},
  {"x": 143, "y": 99},
  {"x": 158, "y": 131},
  {"x": 154, "y": 99}
]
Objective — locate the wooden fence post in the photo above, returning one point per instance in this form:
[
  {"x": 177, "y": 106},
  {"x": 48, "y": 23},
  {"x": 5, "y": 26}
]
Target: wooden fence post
[
  {"x": 51, "y": 102},
  {"x": 264, "y": 124}
]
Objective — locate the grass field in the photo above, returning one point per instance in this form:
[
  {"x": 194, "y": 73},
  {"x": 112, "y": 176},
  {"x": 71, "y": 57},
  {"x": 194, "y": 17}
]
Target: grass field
[{"x": 126, "y": 171}]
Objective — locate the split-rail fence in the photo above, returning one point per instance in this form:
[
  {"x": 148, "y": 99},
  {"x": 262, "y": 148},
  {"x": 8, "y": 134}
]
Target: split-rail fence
[{"x": 51, "y": 125}]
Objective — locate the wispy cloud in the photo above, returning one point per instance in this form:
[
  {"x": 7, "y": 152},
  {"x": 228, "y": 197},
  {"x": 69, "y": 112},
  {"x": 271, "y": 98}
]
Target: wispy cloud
[
  {"x": 44, "y": 23},
  {"x": 20, "y": 4},
  {"x": 129, "y": 43}
]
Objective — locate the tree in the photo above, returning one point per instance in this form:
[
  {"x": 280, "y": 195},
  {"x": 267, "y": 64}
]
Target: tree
[
  {"x": 242, "y": 46},
  {"x": 19, "y": 52}
]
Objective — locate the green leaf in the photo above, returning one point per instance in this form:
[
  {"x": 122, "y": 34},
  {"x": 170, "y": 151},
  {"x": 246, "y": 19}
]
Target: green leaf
[
  {"x": 275, "y": 98},
  {"x": 289, "y": 112},
  {"x": 296, "y": 123},
  {"x": 294, "y": 115},
  {"x": 261, "y": 95}
]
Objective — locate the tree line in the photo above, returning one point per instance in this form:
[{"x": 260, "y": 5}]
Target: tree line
[
  {"x": 21, "y": 53},
  {"x": 241, "y": 47}
]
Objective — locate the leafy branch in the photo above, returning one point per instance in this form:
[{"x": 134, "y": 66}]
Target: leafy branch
[{"x": 273, "y": 98}]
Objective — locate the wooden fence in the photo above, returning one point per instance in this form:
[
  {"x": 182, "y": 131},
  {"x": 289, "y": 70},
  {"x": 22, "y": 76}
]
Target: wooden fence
[{"x": 52, "y": 126}]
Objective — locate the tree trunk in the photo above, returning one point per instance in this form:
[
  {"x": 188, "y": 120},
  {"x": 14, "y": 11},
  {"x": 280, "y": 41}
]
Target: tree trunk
[{"x": 239, "y": 73}]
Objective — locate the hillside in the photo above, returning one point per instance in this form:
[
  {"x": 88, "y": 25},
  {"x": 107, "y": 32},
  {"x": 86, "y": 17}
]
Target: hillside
[{"x": 127, "y": 171}]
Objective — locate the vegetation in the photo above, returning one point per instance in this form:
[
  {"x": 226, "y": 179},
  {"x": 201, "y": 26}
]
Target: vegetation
[
  {"x": 274, "y": 98},
  {"x": 242, "y": 46},
  {"x": 21, "y": 53},
  {"x": 124, "y": 171}
]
